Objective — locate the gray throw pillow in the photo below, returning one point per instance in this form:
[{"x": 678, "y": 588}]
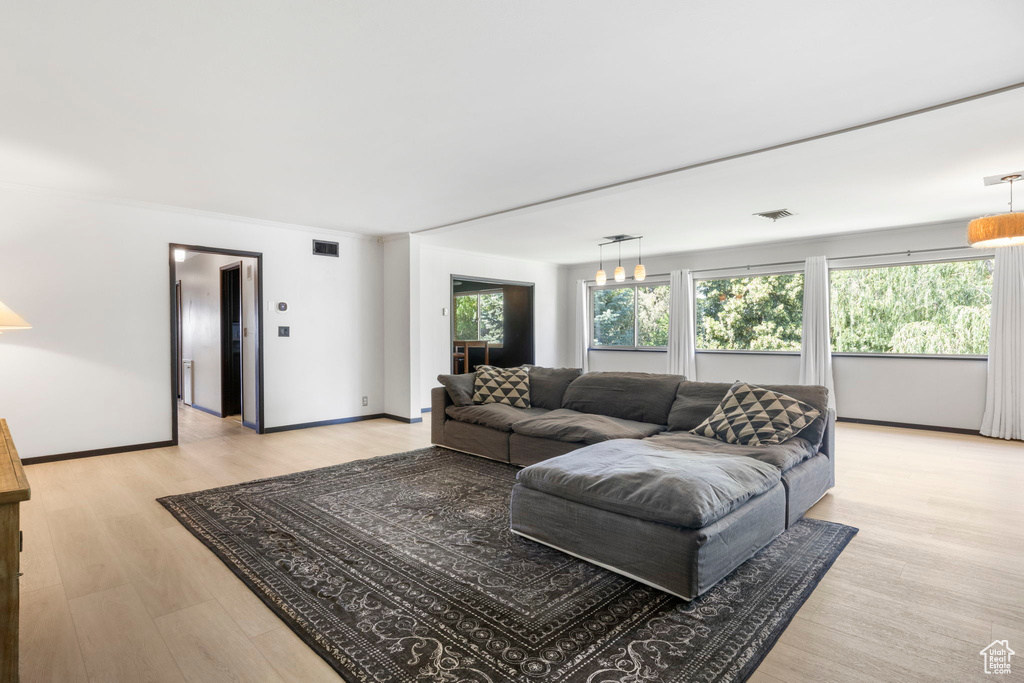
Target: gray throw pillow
[
  {"x": 755, "y": 416},
  {"x": 697, "y": 400},
  {"x": 502, "y": 385},
  {"x": 548, "y": 385},
  {"x": 459, "y": 387}
]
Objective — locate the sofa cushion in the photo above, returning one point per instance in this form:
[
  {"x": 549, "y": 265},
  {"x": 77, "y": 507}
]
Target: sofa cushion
[
  {"x": 548, "y": 385},
  {"x": 459, "y": 388},
  {"x": 638, "y": 396},
  {"x": 571, "y": 426},
  {"x": 756, "y": 416},
  {"x": 645, "y": 481},
  {"x": 783, "y": 455},
  {"x": 494, "y": 415},
  {"x": 502, "y": 385},
  {"x": 695, "y": 401}
]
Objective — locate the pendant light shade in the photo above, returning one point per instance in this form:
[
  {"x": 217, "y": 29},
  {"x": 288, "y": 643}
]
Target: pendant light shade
[
  {"x": 9, "y": 320},
  {"x": 620, "y": 274},
  {"x": 1002, "y": 230},
  {"x": 639, "y": 273},
  {"x": 601, "y": 277}
]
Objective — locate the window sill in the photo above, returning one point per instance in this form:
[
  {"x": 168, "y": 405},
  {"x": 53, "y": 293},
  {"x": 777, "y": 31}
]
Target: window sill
[
  {"x": 744, "y": 352},
  {"x": 846, "y": 354},
  {"x": 628, "y": 348},
  {"x": 921, "y": 356}
]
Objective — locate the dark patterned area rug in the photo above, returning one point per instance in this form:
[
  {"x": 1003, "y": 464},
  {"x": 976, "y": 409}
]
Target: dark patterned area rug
[{"x": 402, "y": 568}]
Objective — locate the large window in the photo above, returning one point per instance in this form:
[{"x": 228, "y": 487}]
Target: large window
[
  {"x": 480, "y": 316},
  {"x": 929, "y": 308},
  {"x": 760, "y": 313},
  {"x": 630, "y": 317}
]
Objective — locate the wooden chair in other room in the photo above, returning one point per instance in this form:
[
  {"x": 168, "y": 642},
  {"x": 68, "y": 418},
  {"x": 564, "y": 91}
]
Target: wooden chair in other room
[{"x": 460, "y": 352}]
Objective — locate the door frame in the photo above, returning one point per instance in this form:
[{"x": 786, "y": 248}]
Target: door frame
[
  {"x": 260, "y": 421},
  {"x": 225, "y": 357},
  {"x": 490, "y": 281}
]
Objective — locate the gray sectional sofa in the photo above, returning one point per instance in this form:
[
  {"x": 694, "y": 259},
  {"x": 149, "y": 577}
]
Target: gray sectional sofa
[{"x": 613, "y": 453}]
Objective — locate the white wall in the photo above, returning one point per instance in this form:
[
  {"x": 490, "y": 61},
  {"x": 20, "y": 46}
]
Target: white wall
[
  {"x": 91, "y": 276},
  {"x": 200, "y": 317},
  {"x": 401, "y": 326},
  {"x": 928, "y": 391},
  {"x": 438, "y": 265}
]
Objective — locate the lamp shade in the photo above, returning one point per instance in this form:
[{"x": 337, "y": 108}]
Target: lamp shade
[
  {"x": 639, "y": 273},
  {"x": 9, "y": 320},
  {"x": 601, "y": 277},
  {"x": 1003, "y": 230},
  {"x": 620, "y": 274}
]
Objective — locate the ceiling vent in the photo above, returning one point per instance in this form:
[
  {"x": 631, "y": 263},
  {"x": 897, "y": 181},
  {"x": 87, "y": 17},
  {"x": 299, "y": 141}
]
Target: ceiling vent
[
  {"x": 774, "y": 215},
  {"x": 322, "y": 248}
]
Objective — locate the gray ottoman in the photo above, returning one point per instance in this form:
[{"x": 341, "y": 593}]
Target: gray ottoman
[{"x": 677, "y": 521}]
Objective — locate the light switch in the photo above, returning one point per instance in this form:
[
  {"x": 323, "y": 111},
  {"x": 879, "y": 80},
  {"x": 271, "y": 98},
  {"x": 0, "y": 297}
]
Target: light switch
[
  {"x": 444, "y": 312},
  {"x": 284, "y": 331}
]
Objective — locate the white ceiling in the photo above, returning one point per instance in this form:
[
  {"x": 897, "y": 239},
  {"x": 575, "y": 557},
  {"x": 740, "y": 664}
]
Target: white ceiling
[{"x": 379, "y": 117}]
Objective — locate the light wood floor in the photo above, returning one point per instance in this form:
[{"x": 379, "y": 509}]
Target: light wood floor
[{"x": 114, "y": 589}]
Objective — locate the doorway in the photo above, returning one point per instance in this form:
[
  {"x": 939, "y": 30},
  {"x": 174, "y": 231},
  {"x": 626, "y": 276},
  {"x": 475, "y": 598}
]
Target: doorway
[
  {"x": 492, "y": 323},
  {"x": 216, "y": 341}
]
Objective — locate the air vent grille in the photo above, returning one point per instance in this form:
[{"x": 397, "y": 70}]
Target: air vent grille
[
  {"x": 775, "y": 215},
  {"x": 322, "y": 248}
]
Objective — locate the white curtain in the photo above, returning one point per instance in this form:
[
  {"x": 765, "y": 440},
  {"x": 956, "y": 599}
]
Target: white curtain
[
  {"x": 816, "y": 347},
  {"x": 582, "y": 338},
  {"x": 1004, "y": 396},
  {"x": 682, "y": 358}
]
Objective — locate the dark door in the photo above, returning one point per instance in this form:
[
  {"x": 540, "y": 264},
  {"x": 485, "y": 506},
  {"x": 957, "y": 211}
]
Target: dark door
[
  {"x": 177, "y": 350},
  {"x": 231, "y": 340},
  {"x": 518, "y": 326}
]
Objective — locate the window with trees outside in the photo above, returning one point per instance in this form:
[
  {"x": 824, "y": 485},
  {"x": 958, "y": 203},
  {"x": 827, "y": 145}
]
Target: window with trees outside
[
  {"x": 928, "y": 308},
  {"x": 630, "y": 316},
  {"x": 758, "y": 313},
  {"x": 480, "y": 316}
]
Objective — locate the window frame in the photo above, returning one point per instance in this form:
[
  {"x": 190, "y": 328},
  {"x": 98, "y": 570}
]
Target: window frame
[
  {"x": 846, "y": 354},
  {"x": 476, "y": 294},
  {"x": 899, "y": 264},
  {"x": 651, "y": 282},
  {"x": 740, "y": 276}
]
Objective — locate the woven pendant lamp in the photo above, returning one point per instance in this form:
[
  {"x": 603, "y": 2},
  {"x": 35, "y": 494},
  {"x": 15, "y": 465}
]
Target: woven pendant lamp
[{"x": 1001, "y": 230}]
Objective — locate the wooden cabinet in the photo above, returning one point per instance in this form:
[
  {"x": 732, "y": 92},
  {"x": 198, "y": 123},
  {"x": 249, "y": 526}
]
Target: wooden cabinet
[{"x": 13, "y": 489}]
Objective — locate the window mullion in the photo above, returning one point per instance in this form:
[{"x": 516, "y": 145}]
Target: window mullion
[{"x": 636, "y": 335}]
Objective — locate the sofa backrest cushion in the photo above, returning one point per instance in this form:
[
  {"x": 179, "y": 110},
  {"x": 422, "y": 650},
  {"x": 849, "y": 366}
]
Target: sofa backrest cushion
[
  {"x": 459, "y": 387},
  {"x": 695, "y": 401},
  {"x": 548, "y": 385},
  {"x": 639, "y": 396}
]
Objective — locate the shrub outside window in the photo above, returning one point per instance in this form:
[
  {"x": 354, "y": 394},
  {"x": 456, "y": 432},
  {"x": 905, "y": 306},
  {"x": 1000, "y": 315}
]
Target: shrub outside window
[
  {"x": 758, "y": 313},
  {"x": 480, "y": 316},
  {"x": 922, "y": 309},
  {"x": 630, "y": 316}
]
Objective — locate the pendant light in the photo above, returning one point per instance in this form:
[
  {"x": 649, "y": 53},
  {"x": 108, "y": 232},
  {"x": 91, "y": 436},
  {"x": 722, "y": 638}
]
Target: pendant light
[
  {"x": 620, "y": 272},
  {"x": 601, "y": 276},
  {"x": 639, "y": 273},
  {"x": 1001, "y": 230}
]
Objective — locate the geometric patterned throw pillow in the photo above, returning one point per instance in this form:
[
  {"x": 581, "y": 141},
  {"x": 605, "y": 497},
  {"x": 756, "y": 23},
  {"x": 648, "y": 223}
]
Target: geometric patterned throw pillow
[
  {"x": 754, "y": 416},
  {"x": 502, "y": 385}
]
